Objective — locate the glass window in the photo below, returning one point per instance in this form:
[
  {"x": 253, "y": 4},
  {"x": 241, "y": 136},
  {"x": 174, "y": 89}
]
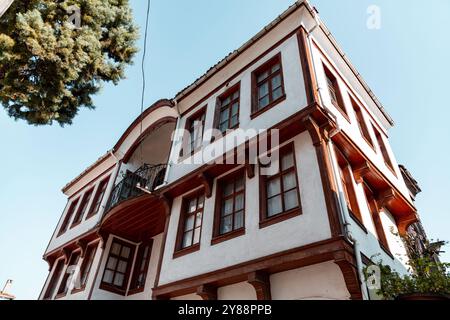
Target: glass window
[
  {"x": 232, "y": 203},
  {"x": 118, "y": 265},
  {"x": 269, "y": 84},
  {"x": 192, "y": 221}
]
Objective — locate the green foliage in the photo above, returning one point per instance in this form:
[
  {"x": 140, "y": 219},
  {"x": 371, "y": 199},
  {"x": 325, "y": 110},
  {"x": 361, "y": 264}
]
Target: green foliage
[
  {"x": 428, "y": 275},
  {"x": 49, "y": 68}
]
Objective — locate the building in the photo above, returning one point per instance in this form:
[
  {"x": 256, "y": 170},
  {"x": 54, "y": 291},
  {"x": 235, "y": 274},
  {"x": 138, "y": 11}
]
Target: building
[{"x": 146, "y": 222}]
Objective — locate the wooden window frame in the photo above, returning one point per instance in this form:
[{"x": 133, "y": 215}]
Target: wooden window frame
[
  {"x": 109, "y": 286},
  {"x": 179, "y": 250},
  {"x": 361, "y": 121},
  {"x": 348, "y": 186},
  {"x": 68, "y": 216},
  {"x": 64, "y": 286},
  {"x": 264, "y": 220},
  {"x": 384, "y": 153},
  {"x": 52, "y": 285},
  {"x": 220, "y": 108},
  {"x": 189, "y": 121},
  {"x": 339, "y": 102},
  {"x": 217, "y": 236},
  {"x": 137, "y": 270},
  {"x": 82, "y": 208},
  {"x": 375, "y": 214},
  {"x": 98, "y": 197},
  {"x": 272, "y": 102},
  {"x": 86, "y": 266}
]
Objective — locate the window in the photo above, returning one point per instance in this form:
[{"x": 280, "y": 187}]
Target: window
[
  {"x": 335, "y": 93},
  {"x": 190, "y": 225},
  {"x": 268, "y": 86},
  {"x": 230, "y": 210},
  {"x": 141, "y": 268},
  {"x": 87, "y": 264},
  {"x": 68, "y": 216},
  {"x": 383, "y": 149},
  {"x": 64, "y": 286},
  {"x": 82, "y": 208},
  {"x": 375, "y": 213},
  {"x": 117, "y": 270},
  {"x": 348, "y": 188},
  {"x": 361, "y": 122},
  {"x": 195, "y": 126},
  {"x": 54, "y": 279},
  {"x": 280, "y": 194},
  {"x": 228, "y": 110},
  {"x": 98, "y": 198}
]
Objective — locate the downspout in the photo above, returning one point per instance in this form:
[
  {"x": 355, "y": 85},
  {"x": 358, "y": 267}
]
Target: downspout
[{"x": 341, "y": 199}]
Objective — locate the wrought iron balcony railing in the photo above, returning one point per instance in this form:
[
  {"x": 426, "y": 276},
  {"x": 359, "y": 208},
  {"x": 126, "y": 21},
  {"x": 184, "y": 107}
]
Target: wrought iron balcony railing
[{"x": 147, "y": 177}]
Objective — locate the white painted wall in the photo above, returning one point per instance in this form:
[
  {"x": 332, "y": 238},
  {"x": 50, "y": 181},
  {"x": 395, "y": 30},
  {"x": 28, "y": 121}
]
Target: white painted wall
[
  {"x": 310, "y": 227},
  {"x": 237, "y": 291},
  {"x": 322, "y": 281}
]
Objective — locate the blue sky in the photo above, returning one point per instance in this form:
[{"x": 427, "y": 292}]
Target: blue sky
[{"x": 405, "y": 63}]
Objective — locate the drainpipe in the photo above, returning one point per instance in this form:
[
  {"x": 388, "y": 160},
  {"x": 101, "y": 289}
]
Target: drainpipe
[{"x": 341, "y": 199}]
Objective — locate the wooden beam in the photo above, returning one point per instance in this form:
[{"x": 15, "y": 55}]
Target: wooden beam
[{"x": 261, "y": 282}]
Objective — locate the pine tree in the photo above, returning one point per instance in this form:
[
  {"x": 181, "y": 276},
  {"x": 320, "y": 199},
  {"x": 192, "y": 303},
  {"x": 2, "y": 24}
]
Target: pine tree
[{"x": 50, "y": 66}]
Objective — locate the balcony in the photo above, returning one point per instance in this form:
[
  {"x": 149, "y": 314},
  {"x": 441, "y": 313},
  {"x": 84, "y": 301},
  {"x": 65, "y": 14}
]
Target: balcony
[{"x": 148, "y": 178}]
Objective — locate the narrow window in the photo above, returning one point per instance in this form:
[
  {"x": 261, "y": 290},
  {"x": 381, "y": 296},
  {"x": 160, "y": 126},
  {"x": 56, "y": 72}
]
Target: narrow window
[
  {"x": 348, "y": 187},
  {"x": 82, "y": 208},
  {"x": 87, "y": 264},
  {"x": 117, "y": 270},
  {"x": 361, "y": 122},
  {"x": 231, "y": 193},
  {"x": 335, "y": 93},
  {"x": 64, "y": 286},
  {"x": 141, "y": 268},
  {"x": 280, "y": 191},
  {"x": 195, "y": 126},
  {"x": 375, "y": 213},
  {"x": 268, "y": 85},
  {"x": 191, "y": 221},
  {"x": 383, "y": 149},
  {"x": 228, "y": 110},
  {"x": 54, "y": 279},
  {"x": 98, "y": 198},
  {"x": 68, "y": 216}
]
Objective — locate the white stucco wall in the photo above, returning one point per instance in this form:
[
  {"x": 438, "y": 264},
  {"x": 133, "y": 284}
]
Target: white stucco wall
[
  {"x": 322, "y": 281},
  {"x": 307, "y": 228},
  {"x": 237, "y": 291}
]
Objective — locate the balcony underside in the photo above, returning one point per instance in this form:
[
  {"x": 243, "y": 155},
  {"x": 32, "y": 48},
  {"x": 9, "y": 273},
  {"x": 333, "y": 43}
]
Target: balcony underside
[{"x": 137, "y": 219}]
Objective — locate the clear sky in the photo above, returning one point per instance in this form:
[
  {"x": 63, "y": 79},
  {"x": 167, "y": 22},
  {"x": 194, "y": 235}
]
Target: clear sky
[{"x": 405, "y": 63}]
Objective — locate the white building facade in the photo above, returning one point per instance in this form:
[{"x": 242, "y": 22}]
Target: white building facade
[{"x": 188, "y": 218}]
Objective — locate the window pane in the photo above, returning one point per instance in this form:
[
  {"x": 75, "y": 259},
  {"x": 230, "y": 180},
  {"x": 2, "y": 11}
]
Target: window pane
[
  {"x": 122, "y": 266},
  {"x": 236, "y": 95},
  {"x": 287, "y": 161},
  {"x": 239, "y": 205},
  {"x": 108, "y": 276},
  {"x": 223, "y": 126},
  {"x": 226, "y": 224},
  {"x": 228, "y": 189},
  {"x": 201, "y": 200},
  {"x": 116, "y": 249},
  {"x": 273, "y": 187},
  {"x": 196, "y": 235},
  {"x": 263, "y": 90},
  {"x": 189, "y": 224},
  {"x": 125, "y": 252},
  {"x": 275, "y": 68},
  {"x": 192, "y": 205},
  {"x": 118, "y": 280},
  {"x": 277, "y": 93},
  {"x": 224, "y": 116},
  {"x": 276, "y": 82},
  {"x": 227, "y": 207},
  {"x": 291, "y": 199},
  {"x": 234, "y": 121},
  {"x": 187, "y": 239},
  {"x": 111, "y": 263},
  {"x": 274, "y": 206},
  {"x": 198, "y": 219},
  {"x": 289, "y": 181},
  {"x": 235, "y": 109},
  {"x": 240, "y": 184},
  {"x": 239, "y": 220},
  {"x": 226, "y": 101},
  {"x": 263, "y": 102},
  {"x": 263, "y": 76}
]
